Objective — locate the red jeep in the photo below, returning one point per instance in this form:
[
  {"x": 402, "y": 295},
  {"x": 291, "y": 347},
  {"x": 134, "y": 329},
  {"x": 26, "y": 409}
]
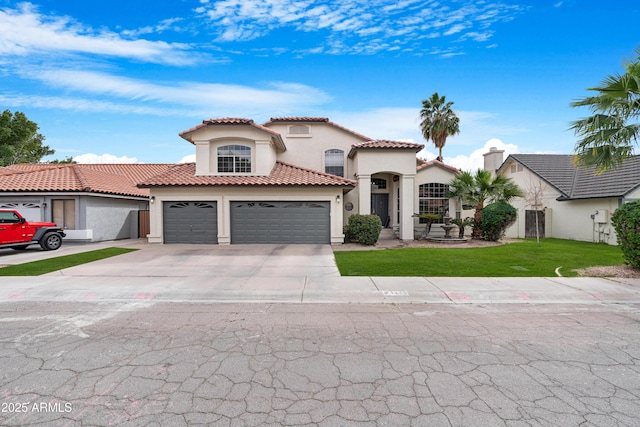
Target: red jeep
[{"x": 18, "y": 233}]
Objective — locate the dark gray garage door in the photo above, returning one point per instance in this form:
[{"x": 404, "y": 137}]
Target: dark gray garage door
[
  {"x": 280, "y": 222},
  {"x": 190, "y": 222}
]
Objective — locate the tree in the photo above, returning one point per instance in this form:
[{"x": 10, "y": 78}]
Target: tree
[
  {"x": 534, "y": 197},
  {"x": 20, "y": 141},
  {"x": 608, "y": 136},
  {"x": 66, "y": 160},
  {"x": 438, "y": 121},
  {"x": 479, "y": 188}
]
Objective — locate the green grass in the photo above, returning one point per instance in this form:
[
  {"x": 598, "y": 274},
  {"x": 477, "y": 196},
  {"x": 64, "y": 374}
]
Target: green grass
[
  {"x": 519, "y": 259},
  {"x": 37, "y": 268}
]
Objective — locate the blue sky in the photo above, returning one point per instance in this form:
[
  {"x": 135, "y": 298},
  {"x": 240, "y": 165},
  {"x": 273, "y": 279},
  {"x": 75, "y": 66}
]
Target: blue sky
[{"x": 117, "y": 81}]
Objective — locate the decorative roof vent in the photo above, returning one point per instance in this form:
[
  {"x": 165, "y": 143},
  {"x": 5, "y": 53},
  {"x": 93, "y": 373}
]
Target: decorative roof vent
[{"x": 299, "y": 130}]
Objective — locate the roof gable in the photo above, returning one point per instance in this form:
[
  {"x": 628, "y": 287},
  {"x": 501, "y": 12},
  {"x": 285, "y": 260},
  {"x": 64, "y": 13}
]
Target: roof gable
[
  {"x": 231, "y": 121},
  {"x": 320, "y": 120},
  {"x": 381, "y": 144}
]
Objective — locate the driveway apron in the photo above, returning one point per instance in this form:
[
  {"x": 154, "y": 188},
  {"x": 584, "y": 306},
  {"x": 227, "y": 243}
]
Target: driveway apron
[{"x": 214, "y": 261}]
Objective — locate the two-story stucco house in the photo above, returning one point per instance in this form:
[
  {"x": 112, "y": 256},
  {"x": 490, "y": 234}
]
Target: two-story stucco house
[{"x": 291, "y": 180}]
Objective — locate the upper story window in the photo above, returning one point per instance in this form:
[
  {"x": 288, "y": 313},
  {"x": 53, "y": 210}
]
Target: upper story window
[
  {"x": 334, "y": 162},
  {"x": 234, "y": 159}
]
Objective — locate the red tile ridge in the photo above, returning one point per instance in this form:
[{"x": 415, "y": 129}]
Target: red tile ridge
[
  {"x": 426, "y": 164},
  {"x": 233, "y": 121},
  {"x": 379, "y": 144}
]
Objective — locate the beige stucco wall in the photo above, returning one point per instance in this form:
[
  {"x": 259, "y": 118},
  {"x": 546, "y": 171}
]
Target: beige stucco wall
[
  {"x": 308, "y": 150},
  {"x": 208, "y": 139},
  {"x": 224, "y": 196},
  {"x": 563, "y": 220}
]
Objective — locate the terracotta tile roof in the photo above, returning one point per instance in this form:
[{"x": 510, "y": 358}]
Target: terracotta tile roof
[
  {"x": 423, "y": 164},
  {"x": 382, "y": 144},
  {"x": 315, "y": 120},
  {"x": 282, "y": 174},
  {"x": 298, "y": 119},
  {"x": 236, "y": 121},
  {"x": 116, "y": 179}
]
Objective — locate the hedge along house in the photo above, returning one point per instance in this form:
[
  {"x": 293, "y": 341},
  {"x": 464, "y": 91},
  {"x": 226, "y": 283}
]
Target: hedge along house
[
  {"x": 290, "y": 180},
  {"x": 92, "y": 202},
  {"x": 573, "y": 203}
]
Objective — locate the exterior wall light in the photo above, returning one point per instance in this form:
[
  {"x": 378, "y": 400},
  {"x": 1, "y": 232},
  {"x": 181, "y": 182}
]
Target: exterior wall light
[
  {"x": 338, "y": 198},
  {"x": 152, "y": 199}
]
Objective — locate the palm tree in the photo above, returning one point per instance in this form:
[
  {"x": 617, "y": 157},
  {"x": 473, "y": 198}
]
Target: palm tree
[
  {"x": 479, "y": 188},
  {"x": 609, "y": 135},
  {"x": 438, "y": 121}
]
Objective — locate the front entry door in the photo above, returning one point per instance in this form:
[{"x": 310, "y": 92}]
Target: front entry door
[{"x": 380, "y": 207}]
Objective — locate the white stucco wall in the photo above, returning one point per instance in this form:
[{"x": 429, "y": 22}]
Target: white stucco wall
[
  {"x": 224, "y": 196},
  {"x": 563, "y": 219}
]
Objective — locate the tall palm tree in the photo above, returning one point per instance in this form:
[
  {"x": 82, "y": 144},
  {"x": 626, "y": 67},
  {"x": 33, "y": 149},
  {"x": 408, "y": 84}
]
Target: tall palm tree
[
  {"x": 438, "y": 121},
  {"x": 608, "y": 136},
  {"x": 480, "y": 188}
]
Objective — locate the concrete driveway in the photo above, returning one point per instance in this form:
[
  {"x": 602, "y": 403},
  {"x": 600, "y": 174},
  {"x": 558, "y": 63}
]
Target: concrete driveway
[{"x": 234, "y": 261}]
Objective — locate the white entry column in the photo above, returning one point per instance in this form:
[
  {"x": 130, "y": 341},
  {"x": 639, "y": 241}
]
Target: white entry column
[
  {"x": 364, "y": 194},
  {"x": 407, "y": 207}
]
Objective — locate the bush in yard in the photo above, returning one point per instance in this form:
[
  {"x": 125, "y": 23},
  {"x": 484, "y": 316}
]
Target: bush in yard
[
  {"x": 496, "y": 217},
  {"x": 626, "y": 221},
  {"x": 364, "y": 229}
]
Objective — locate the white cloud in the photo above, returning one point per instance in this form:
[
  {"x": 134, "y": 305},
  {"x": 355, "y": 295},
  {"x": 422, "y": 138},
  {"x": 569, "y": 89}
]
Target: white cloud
[
  {"x": 191, "y": 158},
  {"x": 203, "y": 99},
  {"x": 27, "y": 32},
  {"x": 475, "y": 160},
  {"x": 348, "y": 23},
  {"x": 103, "y": 158}
]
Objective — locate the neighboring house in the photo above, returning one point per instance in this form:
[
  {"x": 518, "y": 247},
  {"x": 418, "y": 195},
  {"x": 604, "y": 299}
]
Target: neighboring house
[
  {"x": 291, "y": 180},
  {"x": 574, "y": 203},
  {"x": 92, "y": 202}
]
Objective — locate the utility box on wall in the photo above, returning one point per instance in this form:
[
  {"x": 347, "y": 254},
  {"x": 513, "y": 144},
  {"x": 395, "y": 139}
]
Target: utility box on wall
[{"x": 601, "y": 216}]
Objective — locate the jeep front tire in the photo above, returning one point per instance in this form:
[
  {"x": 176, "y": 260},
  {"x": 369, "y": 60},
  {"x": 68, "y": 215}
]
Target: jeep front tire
[{"x": 51, "y": 241}]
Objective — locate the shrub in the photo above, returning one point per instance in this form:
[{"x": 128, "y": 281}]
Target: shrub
[
  {"x": 626, "y": 221},
  {"x": 364, "y": 229},
  {"x": 496, "y": 217}
]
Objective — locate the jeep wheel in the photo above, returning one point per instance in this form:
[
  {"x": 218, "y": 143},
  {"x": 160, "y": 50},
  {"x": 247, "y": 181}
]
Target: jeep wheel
[
  {"x": 51, "y": 241},
  {"x": 20, "y": 248}
]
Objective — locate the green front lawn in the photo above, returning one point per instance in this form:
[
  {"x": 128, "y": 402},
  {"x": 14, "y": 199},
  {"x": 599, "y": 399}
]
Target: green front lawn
[
  {"x": 519, "y": 259},
  {"x": 37, "y": 268}
]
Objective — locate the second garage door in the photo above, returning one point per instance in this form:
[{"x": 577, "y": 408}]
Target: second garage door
[{"x": 280, "y": 222}]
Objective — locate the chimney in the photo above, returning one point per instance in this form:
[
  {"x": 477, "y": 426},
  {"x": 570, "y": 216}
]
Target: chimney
[{"x": 493, "y": 159}]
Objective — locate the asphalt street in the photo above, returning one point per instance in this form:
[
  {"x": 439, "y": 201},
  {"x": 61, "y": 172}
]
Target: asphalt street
[
  {"x": 253, "y": 335},
  {"x": 153, "y": 363}
]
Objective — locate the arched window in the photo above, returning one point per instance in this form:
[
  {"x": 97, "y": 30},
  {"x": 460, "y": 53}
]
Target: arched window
[
  {"x": 432, "y": 198},
  {"x": 334, "y": 162},
  {"x": 234, "y": 159}
]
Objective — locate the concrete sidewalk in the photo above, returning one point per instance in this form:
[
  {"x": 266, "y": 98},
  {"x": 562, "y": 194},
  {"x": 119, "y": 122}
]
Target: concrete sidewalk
[
  {"x": 347, "y": 290},
  {"x": 281, "y": 274}
]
